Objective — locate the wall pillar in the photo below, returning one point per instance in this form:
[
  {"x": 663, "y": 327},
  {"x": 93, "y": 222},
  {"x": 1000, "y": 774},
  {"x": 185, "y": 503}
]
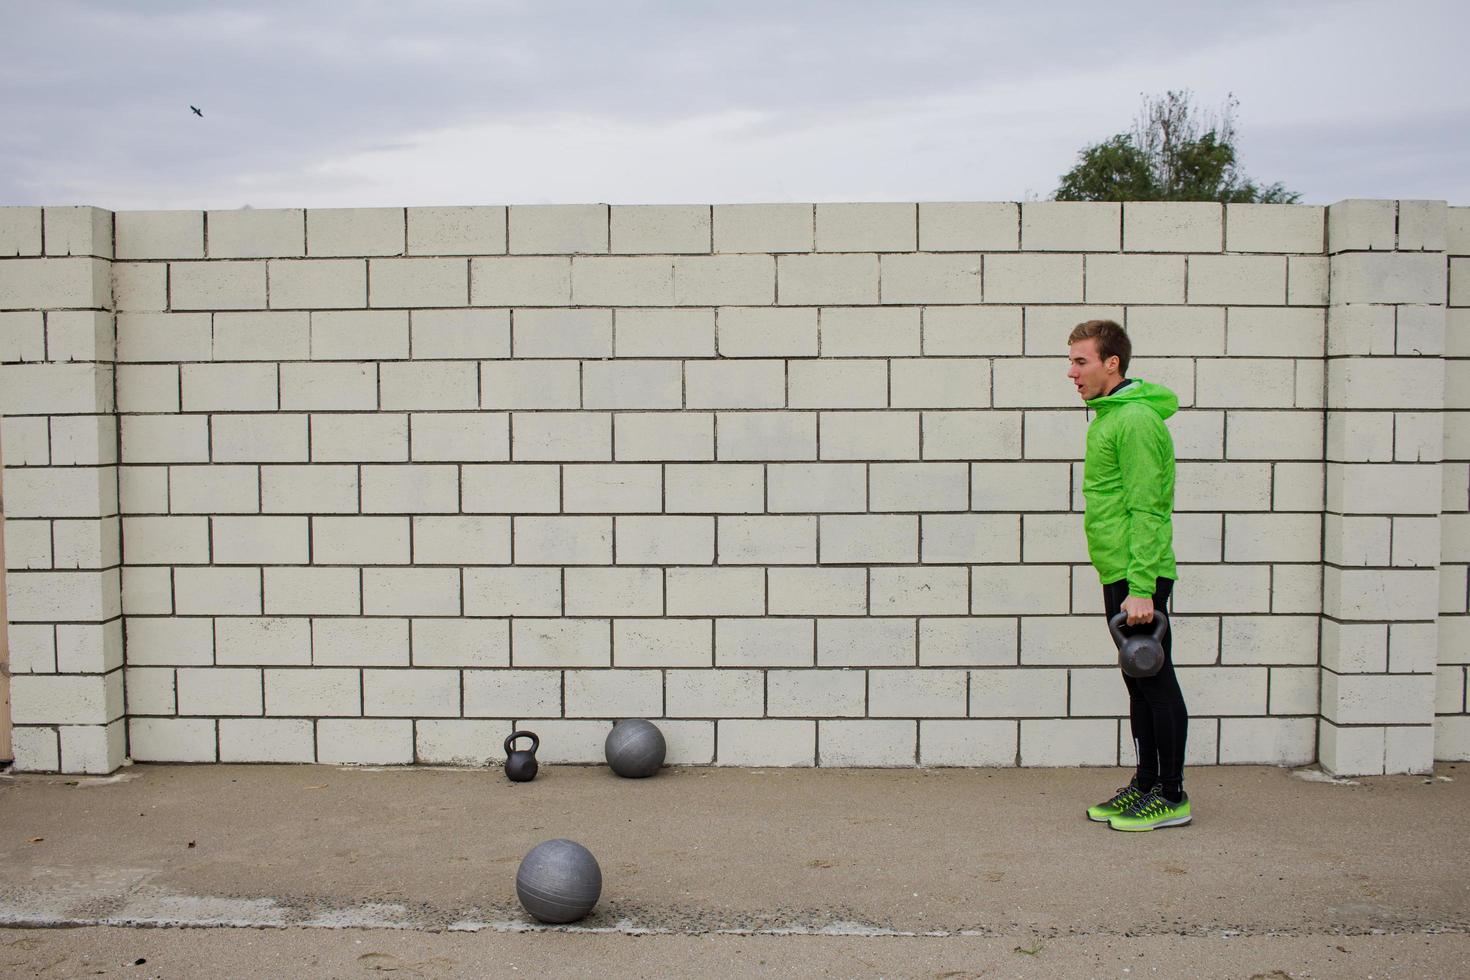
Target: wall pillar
[
  {"x": 1385, "y": 439},
  {"x": 62, "y": 540}
]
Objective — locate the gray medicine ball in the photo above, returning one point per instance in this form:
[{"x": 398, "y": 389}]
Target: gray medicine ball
[
  {"x": 558, "y": 881},
  {"x": 635, "y": 748}
]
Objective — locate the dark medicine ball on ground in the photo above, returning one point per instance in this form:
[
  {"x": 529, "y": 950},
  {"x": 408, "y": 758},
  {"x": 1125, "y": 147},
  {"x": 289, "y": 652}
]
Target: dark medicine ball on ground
[
  {"x": 558, "y": 881},
  {"x": 635, "y": 748}
]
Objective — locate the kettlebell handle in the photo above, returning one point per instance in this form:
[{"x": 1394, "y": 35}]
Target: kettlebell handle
[
  {"x": 1115, "y": 626},
  {"x": 535, "y": 742}
]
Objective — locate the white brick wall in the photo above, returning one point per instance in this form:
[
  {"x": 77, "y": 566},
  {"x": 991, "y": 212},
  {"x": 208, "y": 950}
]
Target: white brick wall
[{"x": 803, "y": 477}]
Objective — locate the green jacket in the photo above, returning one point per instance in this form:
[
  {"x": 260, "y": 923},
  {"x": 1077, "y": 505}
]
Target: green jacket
[{"x": 1128, "y": 483}]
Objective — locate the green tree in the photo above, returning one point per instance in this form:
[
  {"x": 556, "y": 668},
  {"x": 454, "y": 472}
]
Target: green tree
[{"x": 1175, "y": 152}]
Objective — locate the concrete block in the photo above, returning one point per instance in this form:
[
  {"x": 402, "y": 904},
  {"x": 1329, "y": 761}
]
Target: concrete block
[
  {"x": 20, "y": 231},
  {"x": 262, "y": 336},
  {"x": 663, "y": 643},
  {"x": 1268, "y": 741},
  {"x": 1275, "y": 228},
  {"x": 1009, "y": 487},
  {"x": 665, "y": 539},
  {"x": 563, "y": 540},
  {"x": 1372, "y": 699},
  {"x": 866, "y": 642},
  {"x": 167, "y": 540},
  {"x": 512, "y": 592},
  {"x": 418, "y": 282},
  {"x": 411, "y": 592},
  {"x": 967, "y": 743},
  {"x": 1385, "y": 382},
  {"x": 868, "y": 538},
  {"x": 96, "y": 749},
  {"x": 1226, "y": 589},
  {"x": 918, "y": 487},
  {"x": 1399, "y": 277},
  {"x": 456, "y": 231},
  {"x": 317, "y": 387},
  {"x": 461, "y": 540},
  {"x": 357, "y": 642},
  {"x": 1362, "y": 594},
  {"x": 764, "y": 642},
  {"x": 1246, "y": 383},
  {"x": 165, "y": 337},
  {"x": 165, "y": 438},
  {"x": 69, "y": 283},
  {"x": 926, "y": 591},
  {"x": 714, "y": 592},
  {"x": 355, "y": 231},
  {"x": 1011, "y": 590},
  {"x": 1242, "y": 280},
  {"x": 256, "y": 234},
  {"x": 846, "y": 383},
  {"x": 171, "y": 739},
  {"x": 169, "y": 641},
  {"x": 1452, "y": 738},
  {"x": 1276, "y": 332},
  {"x": 510, "y": 488},
  {"x": 415, "y": 693},
  {"x": 218, "y": 592},
  {"x": 429, "y": 385},
  {"x": 664, "y": 436},
  {"x": 1361, "y": 329},
  {"x": 313, "y": 591},
  {"x": 1135, "y": 279},
  {"x": 1068, "y": 226},
  {"x": 318, "y": 489},
  {"x": 229, "y": 387},
  {"x": 818, "y": 591},
  {"x": 147, "y": 387},
  {"x": 90, "y": 699},
  {"x": 459, "y": 334},
  {"x": 359, "y": 437},
  {"x": 86, "y": 543},
  {"x": 260, "y": 540},
  {"x": 867, "y": 743},
  {"x": 969, "y": 227},
  {"x": 1053, "y": 538},
  {"x": 558, "y": 228},
  {"x": 1066, "y": 641},
  {"x": 716, "y": 488},
  {"x": 266, "y": 740},
  {"x": 28, "y": 544},
  {"x": 810, "y": 692},
  {"x": 513, "y": 281},
  {"x": 81, "y": 491},
  {"x": 562, "y": 333},
  {"x": 763, "y": 227},
  {"x": 1308, "y": 280},
  {"x": 213, "y": 489},
  {"x": 354, "y": 741},
  {"x": 947, "y": 383},
  {"x": 220, "y": 691},
  {"x": 1296, "y": 589},
  {"x": 23, "y": 336},
  {"x": 347, "y": 335},
  {"x": 1453, "y": 590},
  {"x": 460, "y": 642},
  {"x": 567, "y": 741},
  {"x": 268, "y": 641},
  {"x": 139, "y": 286},
  {"x": 36, "y": 749},
  {"x": 967, "y": 642},
  {"x": 864, "y": 331},
  {"x": 617, "y": 281},
  {"x": 660, "y": 229},
  {"x": 1394, "y": 488},
  {"x": 767, "y": 540},
  {"x": 317, "y": 284},
  {"x": 1172, "y": 226},
  {"x": 1033, "y": 382},
  {"x": 360, "y": 540},
  {"x": 664, "y": 333},
  {"x": 1069, "y": 742},
  {"x": 1175, "y": 331},
  {"x": 743, "y": 436},
  {"x": 217, "y": 285},
  {"x": 512, "y": 693},
  {"x": 1361, "y": 225},
  {"x": 75, "y": 596},
  {"x": 929, "y": 278},
  {"x": 1096, "y": 692},
  {"x": 318, "y": 692},
  {"x": 561, "y": 643},
  {"x": 866, "y": 227},
  {"x": 1272, "y": 537},
  {"x": 1457, "y": 230},
  {"x": 870, "y": 435},
  {"x": 973, "y": 330},
  {"x": 1416, "y": 541},
  {"x": 1359, "y": 541},
  {"x": 159, "y": 234},
  {"x": 1047, "y": 327},
  {"x": 1056, "y": 434},
  {"x": 56, "y": 389},
  {"x": 808, "y": 280},
  {"x": 1033, "y": 279},
  {"x": 632, "y": 384},
  {"x": 970, "y": 435},
  {"x": 1010, "y": 693},
  {"x": 1297, "y": 486},
  {"x": 724, "y": 280},
  {"x": 969, "y": 538},
  {"x": 1421, "y": 330},
  {"x": 531, "y": 384},
  {"x": 150, "y": 691},
  {"x": 716, "y": 694},
  {"x": 766, "y": 742},
  {"x": 275, "y": 438},
  {"x": 613, "y": 591},
  {"x": 621, "y": 488},
  {"x": 26, "y": 441}
]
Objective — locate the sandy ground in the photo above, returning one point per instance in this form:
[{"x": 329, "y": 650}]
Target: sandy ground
[{"x": 321, "y": 871}]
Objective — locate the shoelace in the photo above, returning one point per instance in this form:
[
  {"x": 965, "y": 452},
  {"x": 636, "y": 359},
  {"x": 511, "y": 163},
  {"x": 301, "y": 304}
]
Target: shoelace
[
  {"x": 1150, "y": 805},
  {"x": 1125, "y": 797}
]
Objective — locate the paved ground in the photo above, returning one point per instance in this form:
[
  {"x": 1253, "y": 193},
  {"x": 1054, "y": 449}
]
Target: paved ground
[{"x": 935, "y": 873}]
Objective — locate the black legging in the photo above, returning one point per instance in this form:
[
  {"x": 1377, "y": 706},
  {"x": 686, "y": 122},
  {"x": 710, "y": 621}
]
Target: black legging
[{"x": 1156, "y": 705}]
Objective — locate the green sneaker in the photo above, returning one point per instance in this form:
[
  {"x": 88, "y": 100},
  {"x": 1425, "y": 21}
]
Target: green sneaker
[
  {"x": 1119, "y": 804},
  {"x": 1151, "y": 812}
]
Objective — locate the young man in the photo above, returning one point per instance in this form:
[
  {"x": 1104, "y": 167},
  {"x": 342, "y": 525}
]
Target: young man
[{"x": 1128, "y": 483}]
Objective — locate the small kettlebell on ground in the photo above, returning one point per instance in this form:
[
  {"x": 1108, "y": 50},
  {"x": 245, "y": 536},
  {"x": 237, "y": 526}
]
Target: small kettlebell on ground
[
  {"x": 1141, "y": 655},
  {"x": 520, "y": 764}
]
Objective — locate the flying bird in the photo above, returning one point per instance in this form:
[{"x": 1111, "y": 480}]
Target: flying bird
[{"x": 197, "y": 112}]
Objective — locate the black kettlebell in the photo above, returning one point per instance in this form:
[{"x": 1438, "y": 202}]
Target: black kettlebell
[
  {"x": 520, "y": 764},
  {"x": 1141, "y": 655}
]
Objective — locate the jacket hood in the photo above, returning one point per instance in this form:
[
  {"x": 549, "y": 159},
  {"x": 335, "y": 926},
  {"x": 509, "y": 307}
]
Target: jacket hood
[{"x": 1163, "y": 401}]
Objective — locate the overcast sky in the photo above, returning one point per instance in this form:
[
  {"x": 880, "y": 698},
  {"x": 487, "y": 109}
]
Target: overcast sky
[{"x": 389, "y": 102}]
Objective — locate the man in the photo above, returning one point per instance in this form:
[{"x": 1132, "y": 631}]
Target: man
[{"x": 1128, "y": 483}]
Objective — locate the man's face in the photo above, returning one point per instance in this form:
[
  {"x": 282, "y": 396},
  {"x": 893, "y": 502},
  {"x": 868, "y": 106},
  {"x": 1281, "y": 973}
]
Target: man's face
[{"x": 1088, "y": 372}]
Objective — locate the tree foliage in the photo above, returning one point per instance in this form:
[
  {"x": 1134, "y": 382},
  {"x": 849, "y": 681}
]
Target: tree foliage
[{"x": 1174, "y": 152}]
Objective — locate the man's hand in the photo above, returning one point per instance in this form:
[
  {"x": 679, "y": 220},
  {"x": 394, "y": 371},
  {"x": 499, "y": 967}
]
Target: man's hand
[{"x": 1140, "y": 609}]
